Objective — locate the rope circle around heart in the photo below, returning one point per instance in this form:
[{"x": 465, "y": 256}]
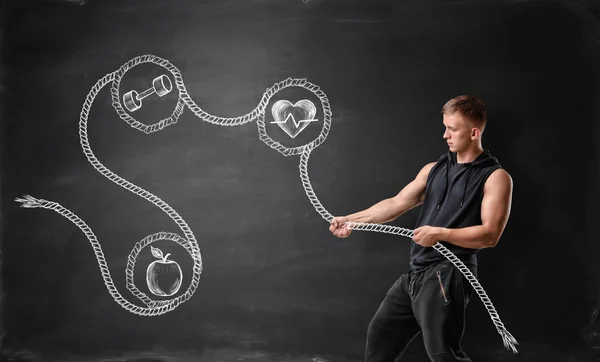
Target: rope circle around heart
[{"x": 303, "y": 83}]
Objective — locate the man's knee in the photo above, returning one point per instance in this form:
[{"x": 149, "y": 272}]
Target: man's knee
[{"x": 385, "y": 345}]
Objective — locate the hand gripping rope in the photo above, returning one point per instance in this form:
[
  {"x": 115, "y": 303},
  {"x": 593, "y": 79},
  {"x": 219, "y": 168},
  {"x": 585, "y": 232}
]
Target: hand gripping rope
[{"x": 158, "y": 307}]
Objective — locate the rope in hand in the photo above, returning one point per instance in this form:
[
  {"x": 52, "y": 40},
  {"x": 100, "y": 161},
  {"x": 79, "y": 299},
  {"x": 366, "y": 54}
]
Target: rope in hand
[{"x": 157, "y": 307}]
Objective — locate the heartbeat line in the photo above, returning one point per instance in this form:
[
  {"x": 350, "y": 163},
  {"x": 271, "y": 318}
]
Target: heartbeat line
[{"x": 296, "y": 124}]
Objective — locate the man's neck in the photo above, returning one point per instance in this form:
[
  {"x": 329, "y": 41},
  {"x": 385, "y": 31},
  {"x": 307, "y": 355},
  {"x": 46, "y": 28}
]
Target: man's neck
[{"x": 468, "y": 156}]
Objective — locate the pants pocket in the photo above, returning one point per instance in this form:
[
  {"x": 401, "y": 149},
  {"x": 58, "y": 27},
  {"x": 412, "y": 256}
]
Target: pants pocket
[
  {"x": 454, "y": 285},
  {"x": 443, "y": 281}
]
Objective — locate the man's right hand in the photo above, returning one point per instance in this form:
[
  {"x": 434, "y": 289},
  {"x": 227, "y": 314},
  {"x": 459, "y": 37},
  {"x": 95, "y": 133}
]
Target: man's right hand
[{"x": 337, "y": 227}]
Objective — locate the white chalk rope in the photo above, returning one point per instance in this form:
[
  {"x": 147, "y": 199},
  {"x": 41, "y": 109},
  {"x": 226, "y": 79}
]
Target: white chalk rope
[
  {"x": 157, "y": 307},
  {"x": 507, "y": 338},
  {"x": 154, "y": 307}
]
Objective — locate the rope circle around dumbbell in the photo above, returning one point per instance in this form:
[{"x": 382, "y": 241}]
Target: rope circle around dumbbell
[
  {"x": 116, "y": 99},
  {"x": 302, "y": 83}
]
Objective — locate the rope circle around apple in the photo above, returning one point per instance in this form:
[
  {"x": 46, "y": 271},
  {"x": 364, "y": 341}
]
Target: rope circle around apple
[{"x": 157, "y": 307}]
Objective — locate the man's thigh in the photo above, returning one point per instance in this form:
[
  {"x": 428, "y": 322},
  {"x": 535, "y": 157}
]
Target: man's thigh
[{"x": 440, "y": 305}]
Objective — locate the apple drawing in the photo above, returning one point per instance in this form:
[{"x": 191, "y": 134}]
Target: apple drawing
[{"x": 163, "y": 276}]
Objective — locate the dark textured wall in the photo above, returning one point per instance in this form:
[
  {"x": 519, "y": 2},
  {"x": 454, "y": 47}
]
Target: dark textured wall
[{"x": 275, "y": 283}]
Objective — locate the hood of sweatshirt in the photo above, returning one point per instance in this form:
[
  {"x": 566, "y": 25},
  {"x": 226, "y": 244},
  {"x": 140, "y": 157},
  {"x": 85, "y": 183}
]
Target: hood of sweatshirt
[{"x": 485, "y": 159}]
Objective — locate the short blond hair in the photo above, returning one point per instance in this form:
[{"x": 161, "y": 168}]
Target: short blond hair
[{"x": 468, "y": 106}]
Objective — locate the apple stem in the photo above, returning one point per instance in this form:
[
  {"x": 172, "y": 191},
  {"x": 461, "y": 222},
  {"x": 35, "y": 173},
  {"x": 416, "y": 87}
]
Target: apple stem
[{"x": 166, "y": 256}]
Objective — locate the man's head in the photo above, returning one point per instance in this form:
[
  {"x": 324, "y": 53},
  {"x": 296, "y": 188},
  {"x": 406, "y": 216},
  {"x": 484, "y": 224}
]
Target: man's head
[{"x": 465, "y": 118}]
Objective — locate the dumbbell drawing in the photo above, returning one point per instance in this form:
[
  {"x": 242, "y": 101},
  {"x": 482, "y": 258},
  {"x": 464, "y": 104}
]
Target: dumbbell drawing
[
  {"x": 282, "y": 112},
  {"x": 161, "y": 85},
  {"x": 283, "y": 115}
]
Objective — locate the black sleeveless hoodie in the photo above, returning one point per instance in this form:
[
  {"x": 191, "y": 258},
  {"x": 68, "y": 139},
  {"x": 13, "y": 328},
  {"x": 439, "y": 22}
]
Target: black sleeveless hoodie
[{"x": 453, "y": 196}]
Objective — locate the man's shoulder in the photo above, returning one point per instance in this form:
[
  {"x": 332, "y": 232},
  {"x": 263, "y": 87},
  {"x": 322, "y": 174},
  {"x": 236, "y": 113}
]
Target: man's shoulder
[
  {"x": 438, "y": 163},
  {"x": 498, "y": 178},
  {"x": 500, "y": 172}
]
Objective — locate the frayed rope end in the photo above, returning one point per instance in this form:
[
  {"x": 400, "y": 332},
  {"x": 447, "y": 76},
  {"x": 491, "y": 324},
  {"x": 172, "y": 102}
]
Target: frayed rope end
[
  {"x": 29, "y": 201},
  {"x": 509, "y": 341}
]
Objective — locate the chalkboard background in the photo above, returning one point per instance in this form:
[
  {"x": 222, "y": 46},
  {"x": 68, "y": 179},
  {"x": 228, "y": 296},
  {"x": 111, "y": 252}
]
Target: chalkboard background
[{"x": 275, "y": 284}]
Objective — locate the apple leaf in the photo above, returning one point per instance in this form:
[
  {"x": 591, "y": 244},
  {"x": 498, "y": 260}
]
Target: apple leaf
[{"x": 156, "y": 252}]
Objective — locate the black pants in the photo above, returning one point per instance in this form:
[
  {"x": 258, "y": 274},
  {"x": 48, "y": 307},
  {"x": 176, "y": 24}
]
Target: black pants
[{"x": 431, "y": 300}]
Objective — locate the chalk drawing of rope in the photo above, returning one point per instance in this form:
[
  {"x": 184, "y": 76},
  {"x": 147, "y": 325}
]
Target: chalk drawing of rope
[{"x": 157, "y": 307}]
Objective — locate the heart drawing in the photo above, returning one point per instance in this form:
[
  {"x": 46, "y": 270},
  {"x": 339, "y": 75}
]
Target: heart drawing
[{"x": 285, "y": 114}]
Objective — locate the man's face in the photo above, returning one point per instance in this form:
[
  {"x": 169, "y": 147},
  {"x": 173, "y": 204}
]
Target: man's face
[{"x": 457, "y": 133}]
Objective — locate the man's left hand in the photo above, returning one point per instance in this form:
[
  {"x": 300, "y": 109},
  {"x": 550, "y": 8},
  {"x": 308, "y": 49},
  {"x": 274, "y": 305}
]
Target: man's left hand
[{"x": 426, "y": 236}]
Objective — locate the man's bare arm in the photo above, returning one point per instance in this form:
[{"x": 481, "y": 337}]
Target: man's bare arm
[
  {"x": 410, "y": 196},
  {"x": 495, "y": 210}
]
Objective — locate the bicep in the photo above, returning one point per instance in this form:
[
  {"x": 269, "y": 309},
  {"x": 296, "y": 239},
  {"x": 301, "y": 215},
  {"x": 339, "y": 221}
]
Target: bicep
[{"x": 496, "y": 203}]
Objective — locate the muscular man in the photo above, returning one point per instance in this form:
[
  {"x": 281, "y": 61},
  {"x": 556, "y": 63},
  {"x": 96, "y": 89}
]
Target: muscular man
[{"x": 466, "y": 197}]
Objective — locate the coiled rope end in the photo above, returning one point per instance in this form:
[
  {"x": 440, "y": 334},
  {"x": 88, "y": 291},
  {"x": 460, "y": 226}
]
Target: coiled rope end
[
  {"x": 29, "y": 201},
  {"x": 509, "y": 341}
]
